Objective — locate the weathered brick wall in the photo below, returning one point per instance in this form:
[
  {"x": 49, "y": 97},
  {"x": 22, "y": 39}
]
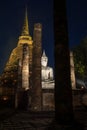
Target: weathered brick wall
[{"x": 79, "y": 98}]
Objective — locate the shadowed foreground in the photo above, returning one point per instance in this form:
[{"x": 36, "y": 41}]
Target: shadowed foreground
[{"x": 25, "y": 120}]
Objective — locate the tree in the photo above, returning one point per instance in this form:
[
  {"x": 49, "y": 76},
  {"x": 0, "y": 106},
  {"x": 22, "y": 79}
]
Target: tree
[{"x": 80, "y": 59}]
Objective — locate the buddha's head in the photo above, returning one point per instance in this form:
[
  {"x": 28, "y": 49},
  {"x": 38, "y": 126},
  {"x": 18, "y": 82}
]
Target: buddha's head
[{"x": 44, "y": 59}]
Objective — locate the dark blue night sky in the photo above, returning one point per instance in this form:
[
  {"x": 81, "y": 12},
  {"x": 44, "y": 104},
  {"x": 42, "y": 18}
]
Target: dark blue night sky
[
  {"x": 77, "y": 21},
  {"x": 11, "y": 21}
]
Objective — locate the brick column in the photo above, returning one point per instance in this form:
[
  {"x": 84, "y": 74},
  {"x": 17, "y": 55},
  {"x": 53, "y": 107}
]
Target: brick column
[{"x": 36, "y": 100}]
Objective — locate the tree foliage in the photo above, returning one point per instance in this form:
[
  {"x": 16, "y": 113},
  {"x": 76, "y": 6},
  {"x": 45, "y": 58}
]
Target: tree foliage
[{"x": 80, "y": 59}]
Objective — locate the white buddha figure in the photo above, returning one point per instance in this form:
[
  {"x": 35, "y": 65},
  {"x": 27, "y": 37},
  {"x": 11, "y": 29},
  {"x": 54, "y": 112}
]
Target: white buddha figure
[{"x": 46, "y": 71}]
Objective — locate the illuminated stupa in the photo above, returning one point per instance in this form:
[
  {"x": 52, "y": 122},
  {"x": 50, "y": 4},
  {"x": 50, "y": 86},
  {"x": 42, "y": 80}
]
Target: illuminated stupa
[
  {"x": 11, "y": 68},
  {"x": 14, "y": 73}
]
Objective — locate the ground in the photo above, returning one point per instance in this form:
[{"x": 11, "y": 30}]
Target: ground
[{"x": 11, "y": 119}]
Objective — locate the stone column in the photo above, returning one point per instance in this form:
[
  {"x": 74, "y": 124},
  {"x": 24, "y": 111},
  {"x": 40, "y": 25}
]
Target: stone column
[
  {"x": 73, "y": 80},
  {"x": 63, "y": 91},
  {"x": 25, "y": 67},
  {"x": 36, "y": 99},
  {"x": 19, "y": 84},
  {"x": 22, "y": 90}
]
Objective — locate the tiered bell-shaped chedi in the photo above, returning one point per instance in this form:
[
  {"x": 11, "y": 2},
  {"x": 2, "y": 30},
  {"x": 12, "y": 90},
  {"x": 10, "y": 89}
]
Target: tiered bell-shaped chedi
[
  {"x": 9, "y": 76},
  {"x": 26, "y": 76}
]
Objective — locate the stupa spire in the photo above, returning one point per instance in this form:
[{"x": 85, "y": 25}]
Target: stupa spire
[{"x": 25, "y": 29}]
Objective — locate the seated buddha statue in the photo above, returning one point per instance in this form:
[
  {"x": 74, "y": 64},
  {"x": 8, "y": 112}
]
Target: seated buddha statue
[{"x": 46, "y": 71}]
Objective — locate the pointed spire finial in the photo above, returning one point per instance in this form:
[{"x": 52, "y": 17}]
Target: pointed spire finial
[
  {"x": 25, "y": 29},
  {"x": 44, "y": 54}
]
